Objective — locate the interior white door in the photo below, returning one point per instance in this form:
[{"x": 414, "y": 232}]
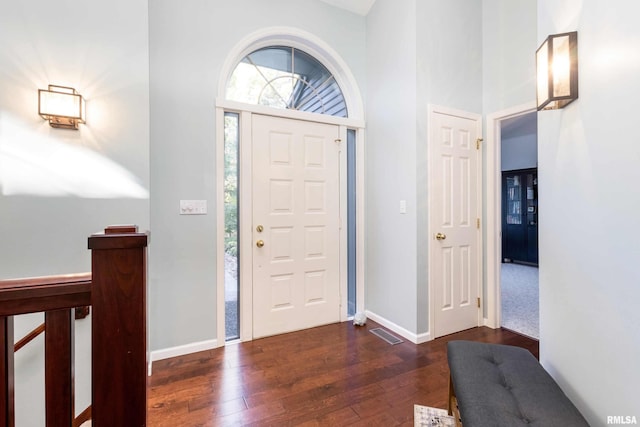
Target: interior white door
[
  {"x": 296, "y": 193},
  {"x": 454, "y": 221}
]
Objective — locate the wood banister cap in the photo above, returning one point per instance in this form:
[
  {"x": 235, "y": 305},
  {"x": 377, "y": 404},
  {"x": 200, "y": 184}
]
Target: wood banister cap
[
  {"x": 121, "y": 229},
  {"x": 118, "y": 237}
]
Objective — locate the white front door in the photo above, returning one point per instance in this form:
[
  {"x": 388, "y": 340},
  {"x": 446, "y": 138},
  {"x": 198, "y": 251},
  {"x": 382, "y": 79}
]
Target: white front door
[
  {"x": 454, "y": 221},
  {"x": 296, "y": 243}
]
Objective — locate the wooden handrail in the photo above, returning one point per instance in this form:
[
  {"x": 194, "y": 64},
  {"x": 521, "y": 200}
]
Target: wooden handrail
[
  {"x": 38, "y": 294},
  {"x": 54, "y": 295},
  {"x": 116, "y": 289},
  {"x": 45, "y": 280}
]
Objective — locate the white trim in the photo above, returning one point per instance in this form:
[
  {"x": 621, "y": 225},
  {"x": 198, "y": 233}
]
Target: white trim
[
  {"x": 220, "y": 298},
  {"x": 406, "y": 334},
  {"x": 244, "y": 223},
  {"x": 431, "y": 110},
  {"x": 289, "y": 114},
  {"x": 245, "y": 246},
  {"x": 343, "y": 252},
  {"x": 307, "y": 42},
  {"x": 360, "y": 220},
  {"x": 181, "y": 350},
  {"x": 494, "y": 207}
]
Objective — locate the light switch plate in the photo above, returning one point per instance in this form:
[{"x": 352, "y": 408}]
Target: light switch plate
[
  {"x": 193, "y": 207},
  {"x": 403, "y": 206}
]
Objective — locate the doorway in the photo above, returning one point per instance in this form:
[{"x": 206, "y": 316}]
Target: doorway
[
  {"x": 300, "y": 79},
  {"x": 315, "y": 166},
  {"x": 515, "y": 116},
  {"x": 519, "y": 293}
]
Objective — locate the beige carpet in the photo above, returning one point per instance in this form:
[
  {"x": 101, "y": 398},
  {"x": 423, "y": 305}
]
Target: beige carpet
[{"x": 520, "y": 299}]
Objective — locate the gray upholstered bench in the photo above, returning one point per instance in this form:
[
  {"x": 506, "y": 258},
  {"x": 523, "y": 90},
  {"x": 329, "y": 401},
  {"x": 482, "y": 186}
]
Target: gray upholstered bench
[{"x": 501, "y": 385}]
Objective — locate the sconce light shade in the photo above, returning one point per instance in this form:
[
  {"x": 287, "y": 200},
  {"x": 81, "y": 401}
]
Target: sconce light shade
[
  {"x": 557, "y": 69},
  {"x": 62, "y": 106}
]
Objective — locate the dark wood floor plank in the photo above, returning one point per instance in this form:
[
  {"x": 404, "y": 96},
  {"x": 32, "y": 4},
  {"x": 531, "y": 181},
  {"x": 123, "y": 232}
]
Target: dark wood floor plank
[{"x": 335, "y": 375}]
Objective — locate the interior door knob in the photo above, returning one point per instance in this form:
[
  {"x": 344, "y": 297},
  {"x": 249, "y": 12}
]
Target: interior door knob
[
  {"x": 441, "y": 236},
  {"x": 260, "y": 243}
]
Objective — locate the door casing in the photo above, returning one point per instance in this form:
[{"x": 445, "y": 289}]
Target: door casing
[
  {"x": 245, "y": 246},
  {"x": 493, "y": 223}
]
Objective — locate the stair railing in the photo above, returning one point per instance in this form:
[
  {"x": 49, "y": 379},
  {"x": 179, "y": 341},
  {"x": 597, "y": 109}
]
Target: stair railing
[{"x": 116, "y": 290}]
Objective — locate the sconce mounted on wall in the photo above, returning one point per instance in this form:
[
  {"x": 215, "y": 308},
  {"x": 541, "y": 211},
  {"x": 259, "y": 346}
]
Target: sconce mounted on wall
[
  {"x": 557, "y": 69},
  {"x": 62, "y": 106}
]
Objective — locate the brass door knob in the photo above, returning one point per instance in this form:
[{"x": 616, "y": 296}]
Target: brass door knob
[
  {"x": 260, "y": 243},
  {"x": 441, "y": 236}
]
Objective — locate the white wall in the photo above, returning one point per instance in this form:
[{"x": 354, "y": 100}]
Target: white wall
[
  {"x": 418, "y": 52},
  {"x": 508, "y": 59},
  {"x": 391, "y": 237},
  {"x": 189, "y": 42},
  {"x": 519, "y": 152},
  {"x": 519, "y": 142},
  {"x": 589, "y": 251},
  {"x": 59, "y": 186},
  {"x": 449, "y": 55}
]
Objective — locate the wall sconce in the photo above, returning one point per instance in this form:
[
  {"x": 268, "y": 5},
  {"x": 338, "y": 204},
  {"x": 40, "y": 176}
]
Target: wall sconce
[
  {"x": 62, "y": 106},
  {"x": 557, "y": 69}
]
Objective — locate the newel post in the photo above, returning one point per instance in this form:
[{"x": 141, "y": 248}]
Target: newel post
[{"x": 119, "y": 337}]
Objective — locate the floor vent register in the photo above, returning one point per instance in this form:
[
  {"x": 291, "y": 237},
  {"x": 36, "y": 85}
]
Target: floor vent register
[{"x": 388, "y": 337}]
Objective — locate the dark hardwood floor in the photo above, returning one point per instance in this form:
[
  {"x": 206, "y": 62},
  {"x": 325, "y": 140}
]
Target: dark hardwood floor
[{"x": 334, "y": 375}]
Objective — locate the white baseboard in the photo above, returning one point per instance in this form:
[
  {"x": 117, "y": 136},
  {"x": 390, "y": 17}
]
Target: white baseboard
[
  {"x": 181, "y": 350},
  {"x": 408, "y": 335}
]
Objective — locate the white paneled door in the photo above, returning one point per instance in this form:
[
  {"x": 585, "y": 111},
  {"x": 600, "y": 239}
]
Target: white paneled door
[
  {"x": 295, "y": 225},
  {"x": 454, "y": 221}
]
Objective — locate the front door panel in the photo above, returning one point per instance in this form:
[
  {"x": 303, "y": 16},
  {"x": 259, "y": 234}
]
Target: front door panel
[{"x": 296, "y": 203}]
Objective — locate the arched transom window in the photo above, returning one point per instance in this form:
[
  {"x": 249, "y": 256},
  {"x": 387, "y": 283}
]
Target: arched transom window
[{"x": 287, "y": 78}]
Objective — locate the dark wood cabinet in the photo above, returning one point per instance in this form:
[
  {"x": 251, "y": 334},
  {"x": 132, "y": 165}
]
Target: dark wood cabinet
[{"x": 520, "y": 216}]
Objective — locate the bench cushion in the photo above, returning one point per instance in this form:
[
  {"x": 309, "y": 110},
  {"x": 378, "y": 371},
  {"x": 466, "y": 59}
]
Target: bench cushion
[{"x": 501, "y": 385}]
